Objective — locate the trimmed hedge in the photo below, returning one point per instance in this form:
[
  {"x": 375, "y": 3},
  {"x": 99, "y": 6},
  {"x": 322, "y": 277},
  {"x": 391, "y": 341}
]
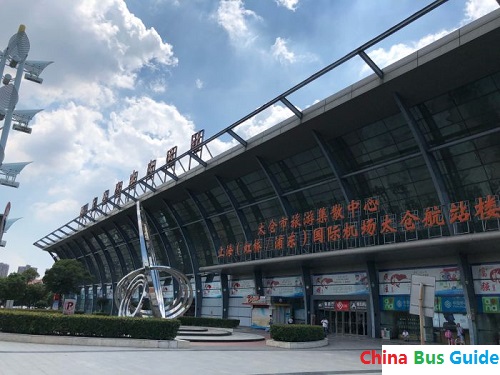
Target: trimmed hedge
[
  {"x": 296, "y": 332},
  {"x": 41, "y": 311},
  {"x": 87, "y": 325},
  {"x": 209, "y": 322}
]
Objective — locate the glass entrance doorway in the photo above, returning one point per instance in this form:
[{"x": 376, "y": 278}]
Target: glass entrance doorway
[
  {"x": 345, "y": 317},
  {"x": 350, "y": 323}
]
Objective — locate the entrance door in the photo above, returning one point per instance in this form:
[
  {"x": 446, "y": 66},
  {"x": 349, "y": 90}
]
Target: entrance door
[
  {"x": 350, "y": 323},
  {"x": 362, "y": 326},
  {"x": 339, "y": 322},
  {"x": 281, "y": 314}
]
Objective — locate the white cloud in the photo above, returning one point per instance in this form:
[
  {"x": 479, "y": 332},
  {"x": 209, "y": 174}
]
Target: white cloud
[
  {"x": 263, "y": 121},
  {"x": 112, "y": 24},
  {"x": 158, "y": 86},
  {"x": 383, "y": 57},
  {"x": 289, "y": 4},
  {"x": 281, "y": 53},
  {"x": 57, "y": 209},
  {"x": 478, "y": 8},
  {"x": 199, "y": 83},
  {"x": 90, "y": 135},
  {"x": 234, "y": 18}
]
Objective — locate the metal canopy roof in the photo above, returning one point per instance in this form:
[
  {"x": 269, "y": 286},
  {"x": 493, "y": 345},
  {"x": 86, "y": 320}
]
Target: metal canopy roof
[{"x": 366, "y": 101}]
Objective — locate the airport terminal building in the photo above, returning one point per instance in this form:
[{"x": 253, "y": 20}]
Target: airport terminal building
[{"x": 331, "y": 212}]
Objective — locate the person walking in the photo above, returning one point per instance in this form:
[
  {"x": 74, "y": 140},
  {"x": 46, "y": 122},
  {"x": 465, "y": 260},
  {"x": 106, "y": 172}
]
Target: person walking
[
  {"x": 269, "y": 324},
  {"x": 449, "y": 336},
  {"x": 324, "y": 323}
]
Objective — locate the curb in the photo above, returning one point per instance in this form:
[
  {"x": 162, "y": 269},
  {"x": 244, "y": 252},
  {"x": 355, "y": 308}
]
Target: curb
[
  {"x": 95, "y": 341},
  {"x": 297, "y": 345}
]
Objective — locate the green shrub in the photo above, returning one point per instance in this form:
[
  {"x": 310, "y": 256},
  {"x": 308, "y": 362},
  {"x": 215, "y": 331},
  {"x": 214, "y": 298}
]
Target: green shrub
[
  {"x": 296, "y": 332},
  {"x": 19, "y": 321},
  {"x": 209, "y": 322},
  {"x": 100, "y": 313},
  {"x": 37, "y": 310}
]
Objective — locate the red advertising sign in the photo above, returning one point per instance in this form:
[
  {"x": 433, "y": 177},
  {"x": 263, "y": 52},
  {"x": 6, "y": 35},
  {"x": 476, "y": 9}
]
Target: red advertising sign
[{"x": 341, "y": 306}]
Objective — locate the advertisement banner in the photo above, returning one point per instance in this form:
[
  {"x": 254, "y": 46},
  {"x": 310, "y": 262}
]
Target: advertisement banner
[
  {"x": 241, "y": 288},
  {"x": 212, "y": 290},
  {"x": 283, "y": 286},
  {"x": 260, "y": 317},
  {"x": 491, "y": 305},
  {"x": 486, "y": 278},
  {"x": 398, "y": 282},
  {"x": 395, "y": 303},
  {"x": 253, "y": 299},
  {"x": 340, "y": 284},
  {"x": 449, "y": 304}
]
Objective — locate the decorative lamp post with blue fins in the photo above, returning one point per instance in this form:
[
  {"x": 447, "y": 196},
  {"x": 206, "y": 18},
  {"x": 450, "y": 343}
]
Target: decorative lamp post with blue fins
[{"x": 14, "y": 56}]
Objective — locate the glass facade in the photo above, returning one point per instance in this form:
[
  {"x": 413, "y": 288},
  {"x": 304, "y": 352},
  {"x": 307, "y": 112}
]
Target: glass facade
[
  {"x": 381, "y": 159},
  {"x": 449, "y": 153}
]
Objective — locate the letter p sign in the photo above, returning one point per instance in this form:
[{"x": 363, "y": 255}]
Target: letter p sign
[{"x": 69, "y": 306}]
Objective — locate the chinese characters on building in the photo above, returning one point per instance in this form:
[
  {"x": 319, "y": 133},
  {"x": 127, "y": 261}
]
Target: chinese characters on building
[{"x": 359, "y": 224}]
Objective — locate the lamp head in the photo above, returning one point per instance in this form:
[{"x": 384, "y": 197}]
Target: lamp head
[{"x": 6, "y": 79}]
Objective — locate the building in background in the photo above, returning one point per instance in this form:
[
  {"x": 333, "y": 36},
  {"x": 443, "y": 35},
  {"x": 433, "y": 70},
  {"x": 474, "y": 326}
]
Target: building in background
[
  {"x": 4, "y": 270},
  {"x": 331, "y": 212},
  {"x": 21, "y": 269}
]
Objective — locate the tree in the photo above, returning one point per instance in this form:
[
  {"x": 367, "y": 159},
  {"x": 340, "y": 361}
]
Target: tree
[
  {"x": 34, "y": 293},
  {"x": 14, "y": 286},
  {"x": 17, "y": 287},
  {"x": 66, "y": 276},
  {"x": 3, "y": 289},
  {"x": 30, "y": 274}
]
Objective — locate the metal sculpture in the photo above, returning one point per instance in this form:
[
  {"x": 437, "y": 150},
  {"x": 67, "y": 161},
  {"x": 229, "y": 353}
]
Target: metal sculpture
[{"x": 148, "y": 282}]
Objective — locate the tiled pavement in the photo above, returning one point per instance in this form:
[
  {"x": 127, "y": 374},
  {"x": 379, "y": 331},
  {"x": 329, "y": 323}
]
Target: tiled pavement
[{"x": 341, "y": 356}]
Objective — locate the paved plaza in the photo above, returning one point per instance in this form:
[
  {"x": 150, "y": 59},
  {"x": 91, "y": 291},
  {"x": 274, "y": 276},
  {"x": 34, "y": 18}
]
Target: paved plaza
[{"x": 341, "y": 356}]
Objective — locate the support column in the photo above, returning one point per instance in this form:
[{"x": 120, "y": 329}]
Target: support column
[
  {"x": 210, "y": 229},
  {"x": 107, "y": 257},
  {"x": 137, "y": 263},
  {"x": 111, "y": 267},
  {"x": 259, "y": 287},
  {"x": 118, "y": 253},
  {"x": 430, "y": 161},
  {"x": 374, "y": 310},
  {"x": 224, "y": 282},
  {"x": 285, "y": 205},
  {"x": 334, "y": 166},
  {"x": 171, "y": 259},
  {"x": 192, "y": 256},
  {"x": 308, "y": 292},
  {"x": 469, "y": 295},
  {"x": 241, "y": 218},
  {"x": 100, "y": 271}
]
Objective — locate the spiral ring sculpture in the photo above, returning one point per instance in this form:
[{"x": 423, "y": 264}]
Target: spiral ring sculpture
[{"x": 147, "y": 279}]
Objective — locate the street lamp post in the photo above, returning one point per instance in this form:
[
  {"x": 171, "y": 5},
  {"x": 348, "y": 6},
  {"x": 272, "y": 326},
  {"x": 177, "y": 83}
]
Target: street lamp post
[{"x": 15, "y": 56}]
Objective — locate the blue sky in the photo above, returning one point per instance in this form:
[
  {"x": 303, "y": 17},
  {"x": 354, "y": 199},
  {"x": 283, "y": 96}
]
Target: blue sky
[{"x": 131, "y": 79}]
